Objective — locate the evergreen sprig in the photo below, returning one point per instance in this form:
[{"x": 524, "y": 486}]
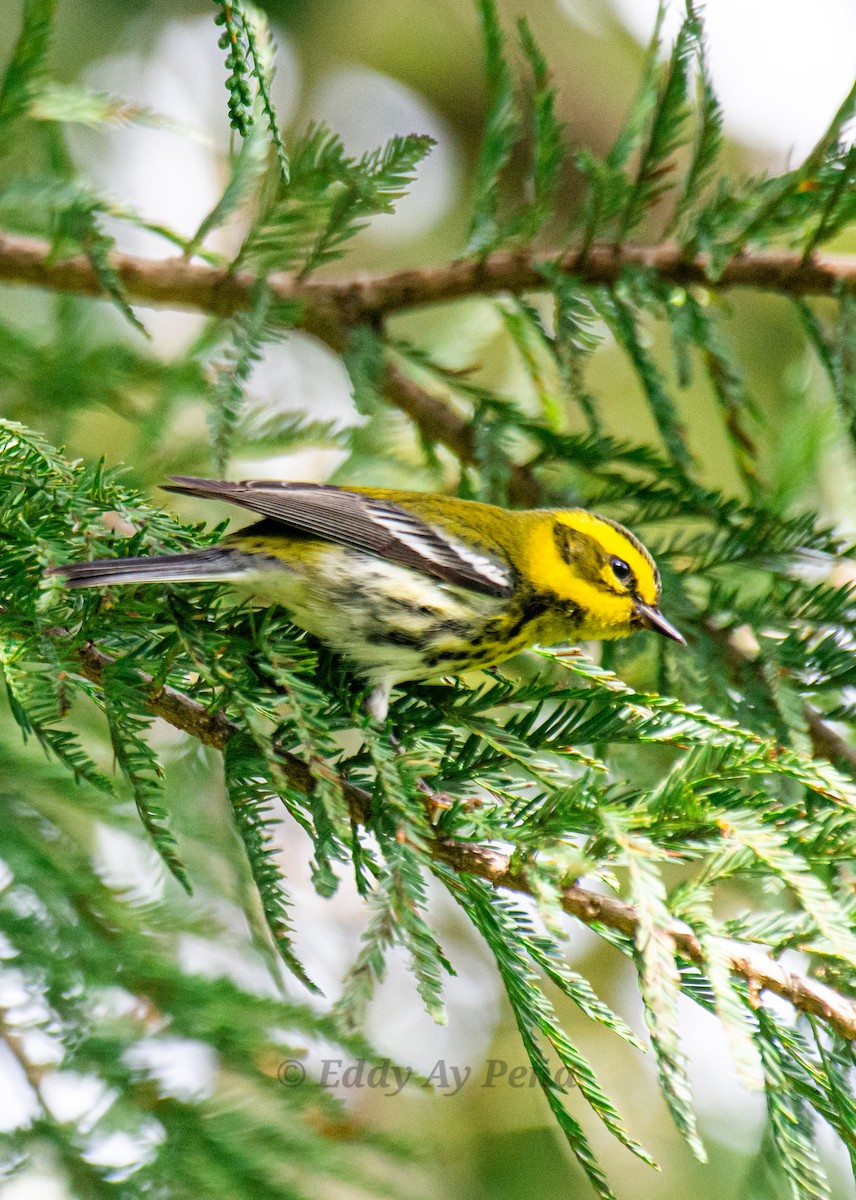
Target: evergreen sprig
[
  {"x": 329, "y": 198},
  {"x": 678, "y": 779}
]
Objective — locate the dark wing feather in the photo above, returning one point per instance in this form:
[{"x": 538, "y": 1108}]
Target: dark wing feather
[{"x": 364, "y": 522}]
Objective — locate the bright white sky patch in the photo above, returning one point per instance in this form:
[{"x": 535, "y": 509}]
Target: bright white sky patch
[{"x": 780, "y": 67}]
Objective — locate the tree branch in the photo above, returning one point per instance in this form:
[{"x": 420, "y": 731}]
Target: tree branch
[
  {"x": 438, "y": 422},
  {"x": 826, "y": 743},
  {"x": 179, "y": 283},
  {"x": 496, "y": 867},
  {"x": 13, "y": 1038},
  {"x": 328, "y": 309},
  {"x": 211, "y": 727},
  {"x": 782, "y": 271}
]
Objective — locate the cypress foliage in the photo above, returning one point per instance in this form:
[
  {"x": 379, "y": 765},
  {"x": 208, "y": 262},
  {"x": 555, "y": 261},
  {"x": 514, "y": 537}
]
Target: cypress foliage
[{"x": 674, "y": 776}]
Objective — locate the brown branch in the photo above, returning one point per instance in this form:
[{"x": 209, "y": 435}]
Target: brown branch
[
  {"x": 760, "y": 971},
  {"x": 328, "y": 309},
  {"x": 211, "y": 727},
  {"x": 438, "y": 422},
  {"x": 178, "y": 283},
  {"x": 826, "y": 743},
  {"x": 496, "y": 867},
  {"x": 781, "y": 271}
]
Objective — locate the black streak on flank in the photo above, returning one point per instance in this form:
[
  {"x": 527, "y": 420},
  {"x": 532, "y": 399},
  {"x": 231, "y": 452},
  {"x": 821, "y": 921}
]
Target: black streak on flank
[
  {"x": 395, "y": 603},
  {"x": 396, "y": 637},
  {"x": 532, "y": 606},
  {"x": 535, "y": 605},
  {"x": 451, "y": 628},
  {"x": 449, "y": 659}
]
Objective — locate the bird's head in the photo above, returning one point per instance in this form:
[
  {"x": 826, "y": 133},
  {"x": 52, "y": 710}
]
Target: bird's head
[{"x": 598, "y": 567}]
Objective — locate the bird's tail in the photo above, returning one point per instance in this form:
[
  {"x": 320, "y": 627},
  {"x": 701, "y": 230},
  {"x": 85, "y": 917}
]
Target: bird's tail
[{"x": 195, "y": 567}]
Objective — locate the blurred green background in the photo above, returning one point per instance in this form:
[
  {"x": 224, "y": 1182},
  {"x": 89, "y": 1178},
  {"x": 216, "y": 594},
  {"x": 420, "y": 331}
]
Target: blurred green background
[{"x": 372, "y": 68}]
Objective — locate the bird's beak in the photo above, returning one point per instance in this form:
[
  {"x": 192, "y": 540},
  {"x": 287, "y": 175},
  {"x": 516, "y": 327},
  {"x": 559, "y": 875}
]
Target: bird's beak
[{"x": 652, "y": 618}]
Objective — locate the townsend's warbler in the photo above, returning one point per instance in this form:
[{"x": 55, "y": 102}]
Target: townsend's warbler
[{"x": 407, "y": 585}]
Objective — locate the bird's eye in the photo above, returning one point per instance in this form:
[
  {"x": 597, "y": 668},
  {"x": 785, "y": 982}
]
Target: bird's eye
[{"x": 620, "y": 570}]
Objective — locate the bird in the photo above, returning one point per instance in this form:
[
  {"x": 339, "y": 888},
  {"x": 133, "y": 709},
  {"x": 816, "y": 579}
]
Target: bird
[{"x": 411, "y": 585}]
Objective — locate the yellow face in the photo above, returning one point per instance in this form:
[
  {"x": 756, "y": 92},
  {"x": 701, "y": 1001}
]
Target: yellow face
[{"x": 599, "y": 568}]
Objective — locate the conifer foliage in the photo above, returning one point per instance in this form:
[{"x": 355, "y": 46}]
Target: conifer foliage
[{"x": 671, "y": 779}]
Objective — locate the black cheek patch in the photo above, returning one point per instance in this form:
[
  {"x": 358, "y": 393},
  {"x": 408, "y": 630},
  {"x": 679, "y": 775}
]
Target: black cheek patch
[
  {"x": 584, "y": 556},
  {"x": 563, "y": 542},
  {"x": 579, "y": 550}
]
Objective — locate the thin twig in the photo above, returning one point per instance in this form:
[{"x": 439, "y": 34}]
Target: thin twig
[
  {"x": 760, "y": 971},
  {"x": 13, "y": 1038},
  {"x": 825, "y": 741},
  {"x": 438, "y": 422}
]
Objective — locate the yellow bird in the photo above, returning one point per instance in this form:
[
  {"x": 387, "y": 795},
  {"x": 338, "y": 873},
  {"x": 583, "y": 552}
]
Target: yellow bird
[{"x": 410, "y": 585}]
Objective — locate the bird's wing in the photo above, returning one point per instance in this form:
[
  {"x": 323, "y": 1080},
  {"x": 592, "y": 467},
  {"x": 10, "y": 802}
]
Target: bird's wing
[{"x": 364, "y": 522}]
